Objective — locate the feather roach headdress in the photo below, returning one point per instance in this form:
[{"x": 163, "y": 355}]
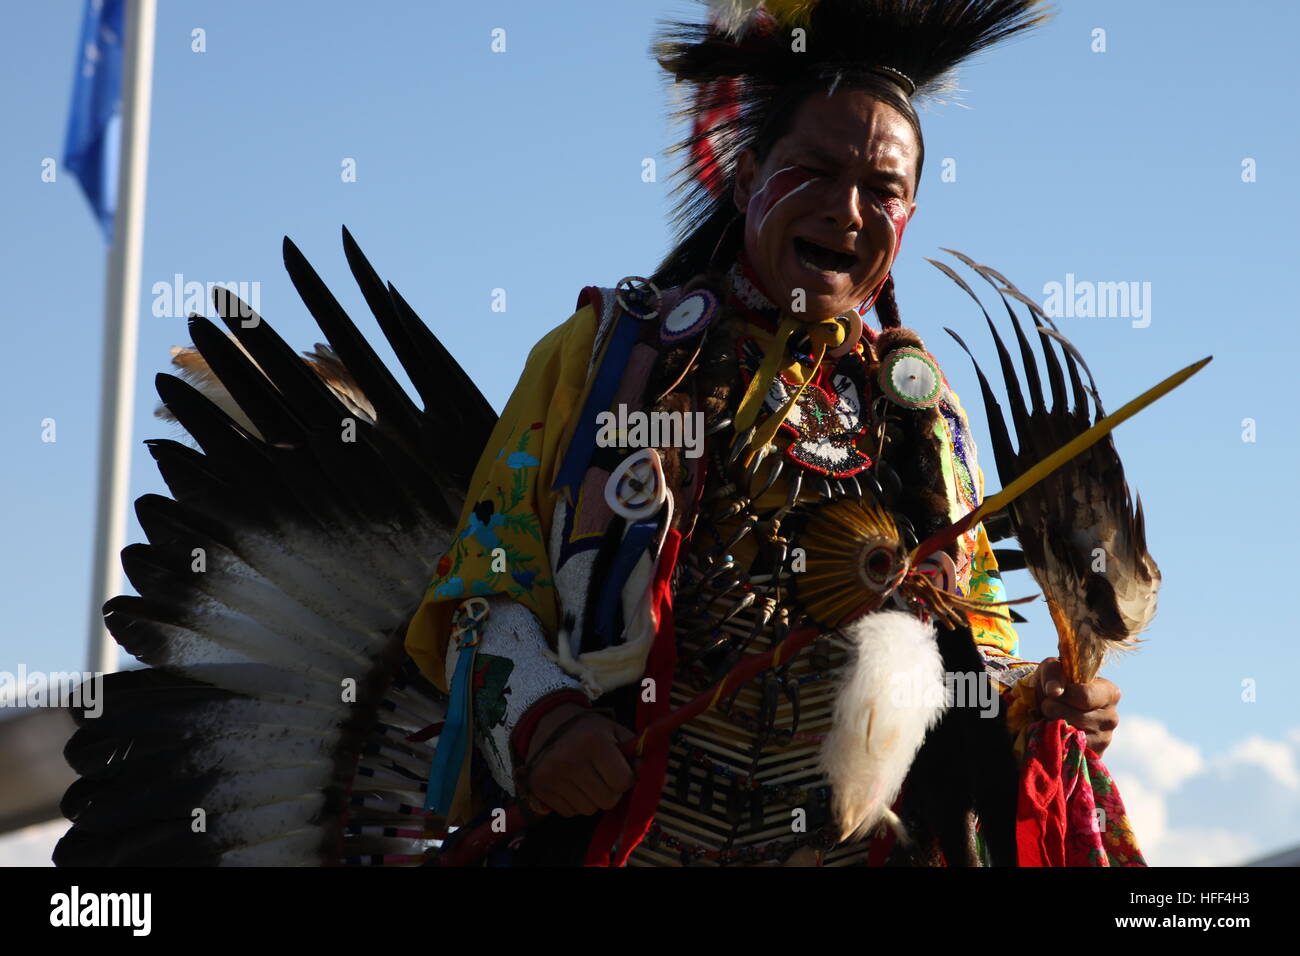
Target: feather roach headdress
[{"x": 752, "y": 62}]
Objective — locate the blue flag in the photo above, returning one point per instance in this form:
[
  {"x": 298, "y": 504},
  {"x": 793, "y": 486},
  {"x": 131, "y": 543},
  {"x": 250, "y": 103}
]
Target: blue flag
[{"x": 95, "y": 122}]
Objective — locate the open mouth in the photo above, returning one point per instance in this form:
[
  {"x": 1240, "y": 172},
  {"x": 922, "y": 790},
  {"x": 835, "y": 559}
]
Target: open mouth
[{"x": 821, "y": 259}]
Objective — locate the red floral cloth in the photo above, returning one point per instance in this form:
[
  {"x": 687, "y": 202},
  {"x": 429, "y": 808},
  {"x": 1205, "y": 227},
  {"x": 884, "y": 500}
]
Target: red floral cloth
[{"x": 1069, "y": 811}]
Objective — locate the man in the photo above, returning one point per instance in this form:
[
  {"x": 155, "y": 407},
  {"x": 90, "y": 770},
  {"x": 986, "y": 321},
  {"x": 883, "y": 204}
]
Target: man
[{"x": 620, "y": 575}]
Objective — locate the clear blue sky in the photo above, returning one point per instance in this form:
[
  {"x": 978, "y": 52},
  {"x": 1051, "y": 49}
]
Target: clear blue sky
[{"x": 522, "y": 170}]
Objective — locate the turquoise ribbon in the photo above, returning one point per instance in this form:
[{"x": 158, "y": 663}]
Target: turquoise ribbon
[{"x": 449, "y": 757}]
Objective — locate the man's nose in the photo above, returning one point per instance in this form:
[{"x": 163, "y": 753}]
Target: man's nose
[{"x": 846, "y": 209}]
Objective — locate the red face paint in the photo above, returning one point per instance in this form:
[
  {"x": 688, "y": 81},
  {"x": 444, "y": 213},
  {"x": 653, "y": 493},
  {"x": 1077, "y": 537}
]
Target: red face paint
[
  {"x": 780, "y": 185},
  {"x": 896, "y": 210}
]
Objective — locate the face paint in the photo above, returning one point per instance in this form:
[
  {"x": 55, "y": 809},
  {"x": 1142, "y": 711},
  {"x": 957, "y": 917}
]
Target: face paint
[
  {"x": 896, "y": 210},
  {"x": 865, "y": 305},
  {"x": 791, "y": 179},
  {"x": 782, "y": 184}
]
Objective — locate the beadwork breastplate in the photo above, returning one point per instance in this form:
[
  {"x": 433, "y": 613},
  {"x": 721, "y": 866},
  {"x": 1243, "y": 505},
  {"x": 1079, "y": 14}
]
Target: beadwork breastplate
[
  {"x": 843, "y": 462},
  {"x": 742, "y": 785}
]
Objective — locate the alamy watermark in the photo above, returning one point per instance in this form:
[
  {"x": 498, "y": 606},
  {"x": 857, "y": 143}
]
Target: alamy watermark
[
  {"x": 178, "y": 299},
  {"x": 130, "y": 910},
  {"x": 1084, "y": 299},
  {"x": 637, "y": 429},
  {"x": 958, "y": 689},
  {"x": 53, "y": 689}
]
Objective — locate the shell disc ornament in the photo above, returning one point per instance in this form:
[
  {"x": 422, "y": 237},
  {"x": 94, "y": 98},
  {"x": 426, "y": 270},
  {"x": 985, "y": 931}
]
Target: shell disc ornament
[
  {"x": 855, "y": 561},
  {"x": 636, "y": 489},
  {"x": 638, "y": 297},
  {"x": 911, "y": 378},
  {"x": 690, "y": 316}
]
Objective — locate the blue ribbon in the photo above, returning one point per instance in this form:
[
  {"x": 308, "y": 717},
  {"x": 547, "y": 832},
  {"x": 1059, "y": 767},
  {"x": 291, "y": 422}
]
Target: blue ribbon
[
  {"x": 449, "y": 757},
  {"x": 578, "y": 456}
]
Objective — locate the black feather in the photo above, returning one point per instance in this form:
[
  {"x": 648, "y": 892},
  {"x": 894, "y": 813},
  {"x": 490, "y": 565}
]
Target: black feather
[{"x": 243, "y": 712}]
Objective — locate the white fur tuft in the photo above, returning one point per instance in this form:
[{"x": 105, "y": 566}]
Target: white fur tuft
[{"x": 893, "y": 693}]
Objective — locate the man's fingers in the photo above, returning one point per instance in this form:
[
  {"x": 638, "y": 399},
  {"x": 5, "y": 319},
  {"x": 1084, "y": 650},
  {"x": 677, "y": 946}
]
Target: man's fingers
[
  {"x": 583, "y": 771},
  {"x": 621, "y": 733},
  {"x": 1053, "y": 709},
  {"x": 1051, "y": 677},
  {"x": 1088, "y": 707},
  {"x": 1091, "y": 696},
  {"x": 1103, "y": 719},
  {"x": 594, "y": 788},
  {"x": 577, "y": 783},
  {"x": 579, "y": 786},
  {"x": 555, "y": 802},
  {"x": 612, "y": 767},
  {"x": 580, "y": 799}
]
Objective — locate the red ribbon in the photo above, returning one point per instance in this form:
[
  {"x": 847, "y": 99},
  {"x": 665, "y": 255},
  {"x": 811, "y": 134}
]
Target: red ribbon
[{"x": 622, "y": 828}]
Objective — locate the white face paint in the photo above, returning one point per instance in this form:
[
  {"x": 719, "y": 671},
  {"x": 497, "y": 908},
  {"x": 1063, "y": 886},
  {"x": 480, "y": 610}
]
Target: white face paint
[{"x": 778, "y": 187}]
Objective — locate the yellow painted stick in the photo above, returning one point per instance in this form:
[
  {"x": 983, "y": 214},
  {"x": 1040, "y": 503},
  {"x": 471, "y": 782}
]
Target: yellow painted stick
[{"x": 1075, "y": 446}]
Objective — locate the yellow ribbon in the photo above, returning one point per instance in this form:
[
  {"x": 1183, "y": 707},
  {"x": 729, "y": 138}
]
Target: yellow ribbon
[{"x": 826, "y": 334}]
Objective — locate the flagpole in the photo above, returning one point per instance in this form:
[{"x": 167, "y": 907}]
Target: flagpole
[{"x": 121, "y": 329}]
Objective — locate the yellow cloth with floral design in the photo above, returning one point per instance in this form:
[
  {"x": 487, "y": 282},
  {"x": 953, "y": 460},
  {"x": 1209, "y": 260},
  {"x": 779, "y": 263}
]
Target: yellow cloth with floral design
[{"x": 500, "y": 543}]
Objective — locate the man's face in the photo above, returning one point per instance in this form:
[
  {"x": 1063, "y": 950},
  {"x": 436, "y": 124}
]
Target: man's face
[{"x": 826, "y": 210}]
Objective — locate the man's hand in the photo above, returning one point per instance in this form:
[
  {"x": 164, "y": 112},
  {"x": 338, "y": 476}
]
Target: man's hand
[
  {"x": 1090, "y": 707},
  {"x": 582, "y": 771}
]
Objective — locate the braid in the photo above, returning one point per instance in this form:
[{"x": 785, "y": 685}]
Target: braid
[{"x": 887, "y": 306}]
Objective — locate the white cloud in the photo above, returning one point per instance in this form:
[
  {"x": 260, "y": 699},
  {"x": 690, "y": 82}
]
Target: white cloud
[
  {"x": 1276, "y": 757},
  {"x": 1188, "y": 809},
  {"x": 1165, "y": 760},
  {"x": 1146, "y": 810}
]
